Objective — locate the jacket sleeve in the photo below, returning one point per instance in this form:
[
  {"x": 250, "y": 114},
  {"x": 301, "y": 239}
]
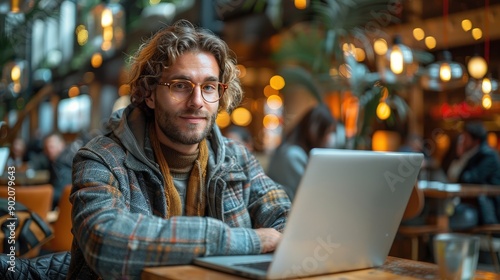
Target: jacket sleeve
[
  {"x": 268, "y": 203},
  {"x": 117, "y": 243}
]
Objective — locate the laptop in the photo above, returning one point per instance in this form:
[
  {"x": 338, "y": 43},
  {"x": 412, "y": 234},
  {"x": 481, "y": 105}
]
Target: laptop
[{"x": 344, "y": 217}]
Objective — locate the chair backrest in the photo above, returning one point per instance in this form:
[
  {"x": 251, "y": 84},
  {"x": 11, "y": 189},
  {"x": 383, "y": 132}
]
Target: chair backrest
[
  {"x": 62, "y": 226},
  {"x": 37, "y": 198},
  {"x": 415, "y": 203}
]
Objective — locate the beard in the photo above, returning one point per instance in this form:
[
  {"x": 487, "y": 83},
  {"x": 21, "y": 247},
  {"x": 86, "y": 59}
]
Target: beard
[{"x": 186, "y": 135}]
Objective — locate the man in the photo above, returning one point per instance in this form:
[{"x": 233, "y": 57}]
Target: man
[
  {"x": 60, "y": 161},
  {"x": 476, "y": 163},
  {"x": 162, "y": 186}
]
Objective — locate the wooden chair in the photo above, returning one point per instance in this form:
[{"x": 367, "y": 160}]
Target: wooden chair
[
  {"x": 37, "y": 198},
  {"x": 416, "y": 233},
  {"x": 62, "y": 225}
]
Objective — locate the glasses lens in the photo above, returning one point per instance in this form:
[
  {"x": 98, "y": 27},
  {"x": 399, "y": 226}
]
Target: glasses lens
[
  {"x": 181, "y": 90},
  {"x": 211, "y": 91}
]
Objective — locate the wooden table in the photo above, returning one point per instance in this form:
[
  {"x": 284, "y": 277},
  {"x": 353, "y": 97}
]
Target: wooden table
[
  {"x": 445, "y": 192},
  {"x": 394, "y": 268}
]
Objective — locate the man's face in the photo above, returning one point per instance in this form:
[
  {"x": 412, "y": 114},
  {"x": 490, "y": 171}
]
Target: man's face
[
  {"x": 469, "y": 142},
  {"x": 183, "y": 124},
  {"x": 54, "y": 146}
]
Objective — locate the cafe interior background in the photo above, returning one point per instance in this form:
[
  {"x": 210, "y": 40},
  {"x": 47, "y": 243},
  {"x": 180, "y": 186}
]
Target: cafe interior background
[{"x": 386, "y": 69}]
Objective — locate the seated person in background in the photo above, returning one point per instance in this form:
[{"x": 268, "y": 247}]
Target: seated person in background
[
  {"x": 60, "y": 157},
  {"x": 162, "y": 186},
  {"x": 18, "y": 155},
  {"x": 24, "y": 159},
  {"x": 240, "y": 134},
  {"x": 431, "y": 168},
  {"x": 60, "y": 163},
  {"x": 38, "y": 159},
  {"x": 476, "y": 163},
  {"x": 289, "y": 160}
]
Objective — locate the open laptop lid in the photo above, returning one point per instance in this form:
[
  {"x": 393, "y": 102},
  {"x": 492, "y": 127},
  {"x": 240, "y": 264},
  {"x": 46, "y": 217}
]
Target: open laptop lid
[
  {"x": 344, "y": 217},
  {"x": 4, "y": 156},
  {"x": 346, "y": 212}
]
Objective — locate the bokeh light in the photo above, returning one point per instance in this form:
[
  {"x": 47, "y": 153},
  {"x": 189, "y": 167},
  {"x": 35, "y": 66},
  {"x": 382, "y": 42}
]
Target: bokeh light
[
  {"x": 271, "y": 121},
  {"x": 223, "y": 119},
  {"x": 418, "y": 34},
  {"x": 466, "y": 25},
  {"x": 380, "y": 46},
  {"x": 274, "y": 102},
  {"x": 241, "y": 116},
  {"x": 277, "y": 82}
]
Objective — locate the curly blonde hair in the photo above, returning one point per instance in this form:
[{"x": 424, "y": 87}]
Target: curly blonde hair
[{"x": 162, "y": 50}]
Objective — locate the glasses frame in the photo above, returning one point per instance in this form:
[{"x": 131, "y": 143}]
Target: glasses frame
[{"x": 168, "y": 84}]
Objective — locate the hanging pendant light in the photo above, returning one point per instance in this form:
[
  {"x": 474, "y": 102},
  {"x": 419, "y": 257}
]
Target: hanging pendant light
[
  {"x": 444, "y": 75},
  {"x": 397, "y": 65},
  {"x": 477, "y": 67},
  {"x": 489, "y": 86},
  {"x": 15, "y": 76},
  {"x": 489, "y": 89},
  {"x": 477, "y": 89},
  {"x": 108, "y": 21}
]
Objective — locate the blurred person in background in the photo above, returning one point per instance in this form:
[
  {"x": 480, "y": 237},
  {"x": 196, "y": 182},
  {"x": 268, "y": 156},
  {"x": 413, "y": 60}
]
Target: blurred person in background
[
  {"x": 316, "y": 129},
  {"x": 431, "y": 169},
  {"x": 60, "y": 155},
  {"x": 37, "y": 157},
  {"x": 18, "y": 155},
  {"x": 60, "y": 163},
  {"x": 475, "y": 163},
  {"x": 162, "y": 186}
]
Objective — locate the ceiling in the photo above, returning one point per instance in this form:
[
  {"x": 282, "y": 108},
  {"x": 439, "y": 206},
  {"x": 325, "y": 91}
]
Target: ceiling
[{"x": 246, "y": 27}]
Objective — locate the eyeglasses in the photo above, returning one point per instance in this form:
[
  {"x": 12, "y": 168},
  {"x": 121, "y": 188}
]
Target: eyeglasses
[{"x": 181, "y": 90}]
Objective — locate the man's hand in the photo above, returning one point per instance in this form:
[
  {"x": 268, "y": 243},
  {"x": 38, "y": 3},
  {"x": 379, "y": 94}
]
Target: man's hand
[{"x": 269, "y": 239}]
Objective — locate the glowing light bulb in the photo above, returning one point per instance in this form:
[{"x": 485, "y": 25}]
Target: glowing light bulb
[
  {"x": 15, "y": 73},
  {"x": 477, "y": 67},
  {"x": 445, "y": 72},
  {"x": 396, "y": 61},
  {"x": 486, "y": 86},
  {"x": 486, "y": 101},
  {"x": 383, "y": 111},
  {"x": 106, "y": 18}
]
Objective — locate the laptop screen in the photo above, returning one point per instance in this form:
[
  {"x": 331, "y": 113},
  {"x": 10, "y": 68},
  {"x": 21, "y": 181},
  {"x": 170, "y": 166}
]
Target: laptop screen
[{"x": 4, "y": 155}]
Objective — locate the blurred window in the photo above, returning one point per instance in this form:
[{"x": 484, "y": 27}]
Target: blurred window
[{"x": 74, "y": 114}]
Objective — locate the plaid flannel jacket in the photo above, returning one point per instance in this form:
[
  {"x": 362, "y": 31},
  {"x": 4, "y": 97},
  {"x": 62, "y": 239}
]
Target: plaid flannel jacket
[{"x": 119, "y": 205}]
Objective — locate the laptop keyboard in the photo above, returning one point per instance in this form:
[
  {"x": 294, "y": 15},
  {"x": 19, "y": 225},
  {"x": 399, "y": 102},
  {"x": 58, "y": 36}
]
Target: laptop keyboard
[{"x": 258, "y": 265}]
